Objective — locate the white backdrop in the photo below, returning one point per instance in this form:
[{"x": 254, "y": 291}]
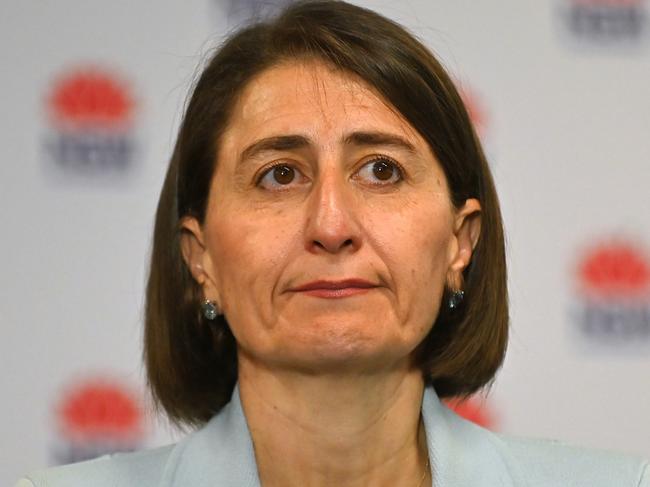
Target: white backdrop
[{"x": 92, "y": 96}]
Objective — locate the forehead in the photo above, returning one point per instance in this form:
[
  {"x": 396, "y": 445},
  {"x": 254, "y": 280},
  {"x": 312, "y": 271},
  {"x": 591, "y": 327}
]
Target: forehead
[{"x": 315, "y": 98}]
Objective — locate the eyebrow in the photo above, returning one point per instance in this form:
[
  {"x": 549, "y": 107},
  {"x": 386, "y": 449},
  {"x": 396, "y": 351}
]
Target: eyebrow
[
  {"x": 293, "y": 142},
  {"x": 364, "y": 139},
  {"x": 278, "y": 143}
]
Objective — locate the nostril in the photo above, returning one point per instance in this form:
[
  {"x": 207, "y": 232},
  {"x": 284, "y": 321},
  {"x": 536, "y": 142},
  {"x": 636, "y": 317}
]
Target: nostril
[{"x": 333, "y": 246}]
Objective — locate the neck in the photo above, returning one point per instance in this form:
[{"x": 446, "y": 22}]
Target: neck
[{"x": 341, "y": 429}]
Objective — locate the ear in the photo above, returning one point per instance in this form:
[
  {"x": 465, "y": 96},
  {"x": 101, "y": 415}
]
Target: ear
[
  {"x": 197, "y": 258},
  {"x": 467, "y": 228}
]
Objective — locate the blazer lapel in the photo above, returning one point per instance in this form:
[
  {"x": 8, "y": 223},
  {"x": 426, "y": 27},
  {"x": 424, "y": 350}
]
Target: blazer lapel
[
  {"x": 218, "y": 455},
  {"x": 462, "y": 453}
]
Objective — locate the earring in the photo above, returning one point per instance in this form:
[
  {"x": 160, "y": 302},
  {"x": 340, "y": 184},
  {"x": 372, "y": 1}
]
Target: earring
[
  {"x": 455, "y": 299},
  {"x": 209, "y": 309}
]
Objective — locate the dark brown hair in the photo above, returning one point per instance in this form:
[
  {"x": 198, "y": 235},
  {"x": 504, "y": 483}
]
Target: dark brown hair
[{"x": 192, "y": 365}]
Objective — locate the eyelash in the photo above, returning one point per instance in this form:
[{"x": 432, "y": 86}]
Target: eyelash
[
  {"x": 262, "y": 174},
  {"x": 374, "y": 159},
  {"x": 382, "y": 158}
]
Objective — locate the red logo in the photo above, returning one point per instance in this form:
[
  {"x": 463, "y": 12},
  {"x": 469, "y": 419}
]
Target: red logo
[
  {"x": 97, "y": 416},
  {"x": 613, "y": 303},
  {"x": 476, "y": 110},
  {"x": 91, "y": 97},
  {"x": 473, "y": 409},
  {"x": 614, "y": 270},
  {"x": 100, "y": 409},
  {"x": 91, "y": 111}
]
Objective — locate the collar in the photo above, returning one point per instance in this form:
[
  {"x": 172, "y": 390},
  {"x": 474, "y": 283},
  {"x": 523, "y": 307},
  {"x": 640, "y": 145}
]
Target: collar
[
  {"x": 221, "y": 453},
  {"x": 462, "y": 453}
]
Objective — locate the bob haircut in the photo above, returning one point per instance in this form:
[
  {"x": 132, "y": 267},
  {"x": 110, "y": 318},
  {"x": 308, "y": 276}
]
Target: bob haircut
[{"x": 191, "y": 363}]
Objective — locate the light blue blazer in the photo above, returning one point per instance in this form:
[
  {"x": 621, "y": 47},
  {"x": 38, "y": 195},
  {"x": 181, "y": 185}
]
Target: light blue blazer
[{"x": 462, "y": 455}]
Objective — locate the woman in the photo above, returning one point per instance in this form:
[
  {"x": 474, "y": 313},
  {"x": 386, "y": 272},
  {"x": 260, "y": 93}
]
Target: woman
[{"x": 328, "y": 262}]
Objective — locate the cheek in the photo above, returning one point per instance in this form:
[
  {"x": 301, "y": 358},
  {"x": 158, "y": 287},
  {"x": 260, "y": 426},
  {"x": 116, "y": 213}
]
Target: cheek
[
  {"x": 248, "y": 249},
  {"x": 414, "y": 243},
  {"x": 418, "y": 234}
]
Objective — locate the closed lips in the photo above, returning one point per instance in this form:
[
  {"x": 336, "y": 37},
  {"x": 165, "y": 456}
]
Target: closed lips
[{"x": 334, "y": 285}]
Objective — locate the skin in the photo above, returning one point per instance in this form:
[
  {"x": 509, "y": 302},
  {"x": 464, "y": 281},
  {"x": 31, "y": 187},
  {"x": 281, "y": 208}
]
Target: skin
[{"x": 326, "y": 382}]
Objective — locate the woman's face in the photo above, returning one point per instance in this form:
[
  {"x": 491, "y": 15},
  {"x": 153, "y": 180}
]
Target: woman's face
[{"x": 329, "y": 233}]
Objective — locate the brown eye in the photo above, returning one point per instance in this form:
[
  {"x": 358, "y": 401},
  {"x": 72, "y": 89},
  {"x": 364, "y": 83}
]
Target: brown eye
[
  {"x": 383, "y": 170},
  {"x": 283, "y": 174},
  {"x": 380, "y": 171}
]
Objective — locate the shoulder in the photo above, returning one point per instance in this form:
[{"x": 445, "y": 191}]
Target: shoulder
[
  {"x": 546, "y": 463},
  {"x": 219, "y": 453},
  {"x": 142, "y": 469},
  {"x": 463, "y": 453}
]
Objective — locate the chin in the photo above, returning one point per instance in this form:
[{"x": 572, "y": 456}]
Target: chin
[{"x": 338, "y": 349}]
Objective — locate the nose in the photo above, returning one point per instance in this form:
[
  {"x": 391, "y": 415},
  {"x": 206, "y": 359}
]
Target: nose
[{"x": 332, "y": 224}]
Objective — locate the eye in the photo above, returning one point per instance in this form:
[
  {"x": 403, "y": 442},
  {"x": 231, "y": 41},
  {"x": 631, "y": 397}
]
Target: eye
[
  {"x": 277, "y": 176},
  {"x": 380, "y": 171}
]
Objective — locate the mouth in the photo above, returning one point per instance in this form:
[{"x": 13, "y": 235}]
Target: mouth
[{"x": 335, "y": 289}]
